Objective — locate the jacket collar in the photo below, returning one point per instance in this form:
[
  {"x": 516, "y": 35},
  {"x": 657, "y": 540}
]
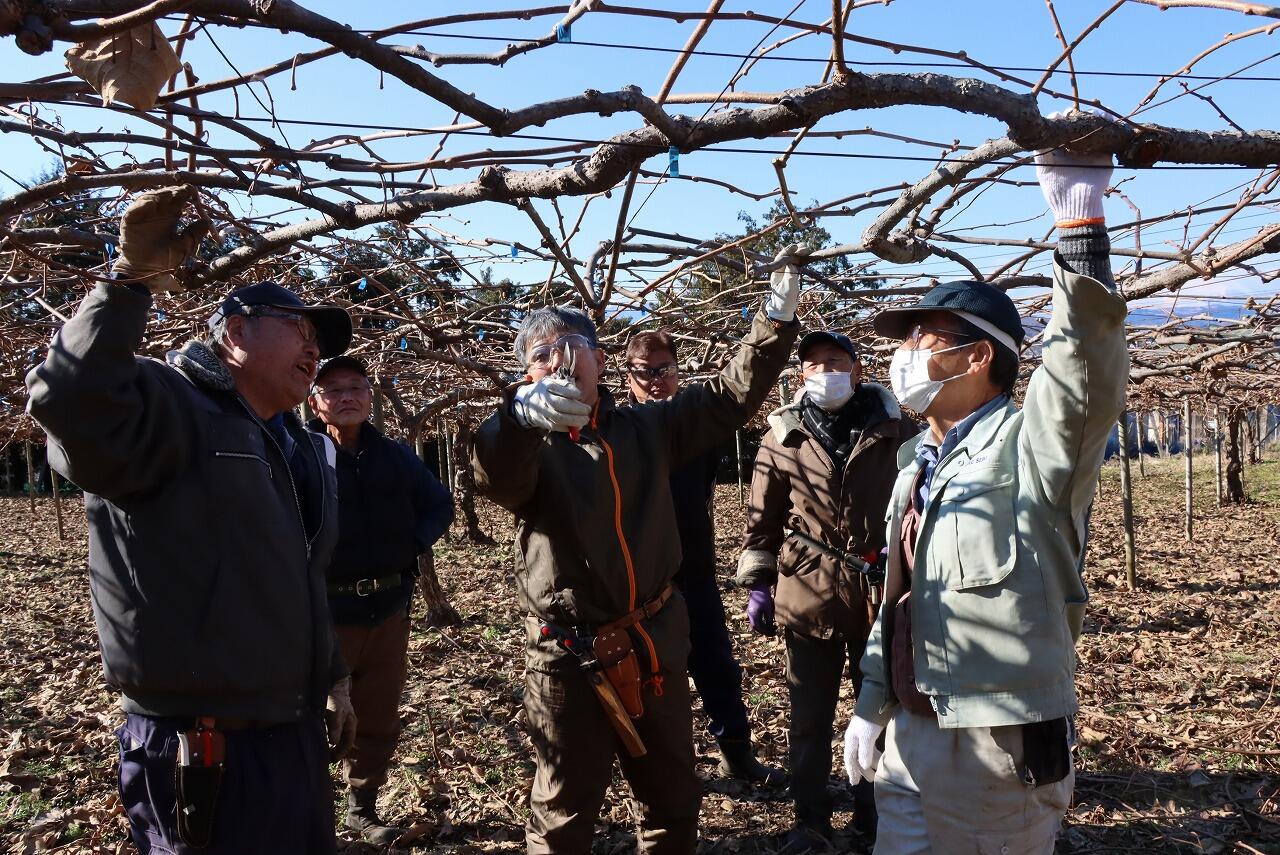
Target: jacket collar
[
  {"x": 979, "y": 437},
  {"x": 786, "y": 419},
  {"x": 201, "y": 365}
]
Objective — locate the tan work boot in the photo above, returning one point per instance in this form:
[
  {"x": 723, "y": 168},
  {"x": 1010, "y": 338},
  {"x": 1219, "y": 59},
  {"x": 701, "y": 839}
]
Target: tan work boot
[{"x": 362, "y": 817}]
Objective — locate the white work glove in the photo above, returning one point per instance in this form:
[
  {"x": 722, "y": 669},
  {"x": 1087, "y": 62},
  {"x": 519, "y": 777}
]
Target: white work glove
[
  {"x": 152, "y": 245},
  {"x": 784, "y": 284},
  {"x": 860, "y": 753},
  {"x": 550, "y": 404},
  {"x": 340, "y": 720},
  {"x": 1075, "y": 191}
]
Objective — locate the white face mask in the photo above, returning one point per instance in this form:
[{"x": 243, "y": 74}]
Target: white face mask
[
  {"x": 909, "y": 377},
  {"x": 830, "y": 390}
]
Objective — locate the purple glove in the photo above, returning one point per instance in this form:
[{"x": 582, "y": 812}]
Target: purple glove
[{"x": 760, "y": 610}]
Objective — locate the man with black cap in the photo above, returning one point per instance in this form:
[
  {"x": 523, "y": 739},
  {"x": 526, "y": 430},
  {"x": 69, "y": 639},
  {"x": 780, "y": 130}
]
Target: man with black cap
[
  {"x": 391, "y": 509},
  {"x": 819, "y": 492},
  {"x": 971, "y": 661},
  {"x": 212, "y": 514}
]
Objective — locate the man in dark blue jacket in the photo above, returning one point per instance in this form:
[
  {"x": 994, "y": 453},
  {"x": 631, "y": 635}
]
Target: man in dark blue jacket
[
  {"x": 211, "y": 518},
  {"x": 391, "y": 509}
]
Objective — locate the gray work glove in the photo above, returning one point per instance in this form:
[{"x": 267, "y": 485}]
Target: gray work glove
[
  {"x": 550, "y": 404},
  {"x": 152, "y": 244},
  {"x": 340, "y": 720},
  {"x": 1073, "y": 184},
  {"x": 784, "y": 284}
]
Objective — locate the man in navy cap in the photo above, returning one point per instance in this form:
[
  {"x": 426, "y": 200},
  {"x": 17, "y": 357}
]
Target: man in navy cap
[
  {"x": 818, "y": 496},
  {"x": 212, "y": 515},
  {"x": 971, "y": 661}
]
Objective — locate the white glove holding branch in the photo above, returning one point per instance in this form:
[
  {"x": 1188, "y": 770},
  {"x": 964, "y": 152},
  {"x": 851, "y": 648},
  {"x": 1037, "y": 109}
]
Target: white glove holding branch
[
  {"x": 784, "y": 284},
  {"x": 1073, "y": 183},
  {"x": 550, "y": 404},
  {"x": 860, "y": 754}
]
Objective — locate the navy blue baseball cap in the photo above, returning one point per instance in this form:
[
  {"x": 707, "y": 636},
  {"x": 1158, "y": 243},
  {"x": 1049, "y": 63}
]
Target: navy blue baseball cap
[
  {"x": 980, "y": 303},
  {"x": 332, "y": 323},
  {"x": 350, "y": 363},
  {"x": 826, "y": 337}
]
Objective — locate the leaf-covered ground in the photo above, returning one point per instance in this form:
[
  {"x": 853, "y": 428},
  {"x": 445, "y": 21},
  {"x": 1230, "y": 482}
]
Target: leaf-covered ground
[{"x": 1180, "y": 727}]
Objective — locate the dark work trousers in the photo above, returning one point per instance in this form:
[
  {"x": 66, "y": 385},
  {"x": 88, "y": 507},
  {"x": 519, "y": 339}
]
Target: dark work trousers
[
  {"x": 576, "y": 744},
  {"x": 815, "y": 667},
  {"x": 715, "y": 672},
  {"x": 378, "y": 657},
  {"x": 275, "y": 797}
]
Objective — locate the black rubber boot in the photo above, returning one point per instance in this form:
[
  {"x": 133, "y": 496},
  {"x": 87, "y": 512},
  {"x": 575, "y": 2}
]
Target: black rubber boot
[
  {"x": 864, "y": 810},
  {"x": 808, "y": 838},
  {"x": 362, "y": 817},
  {"x": 738, "y": 760}
]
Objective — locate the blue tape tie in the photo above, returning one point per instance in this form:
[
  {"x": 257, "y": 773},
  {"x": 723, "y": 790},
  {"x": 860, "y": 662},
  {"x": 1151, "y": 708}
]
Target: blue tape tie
[
  {"x": 111, "y": 249},
  {"x": 160, "y": 315},
  {"x": 745, "y": 313},
  {"x": 404, "y": 343},
  {"x": 364, "y": 283},
  {"x": 673, "y": 162},
  {"x": 564, "y": 33},
  {"x": 480, "y": 335},
  {"x": 514, "y": 252}
]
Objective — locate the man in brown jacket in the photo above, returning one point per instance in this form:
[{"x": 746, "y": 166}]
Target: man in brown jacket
[
  {"x": 596, "y": 551},
  {"x": 821, "y": 485}
]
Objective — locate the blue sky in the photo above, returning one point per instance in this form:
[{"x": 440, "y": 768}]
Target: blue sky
[{"x": 1137, "y": 38}]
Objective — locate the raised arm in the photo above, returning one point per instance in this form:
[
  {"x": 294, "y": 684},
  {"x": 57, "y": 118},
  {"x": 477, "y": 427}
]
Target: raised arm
[
  {"x": 114, "y": 424},
  {"x": 1078, "y": 392}
]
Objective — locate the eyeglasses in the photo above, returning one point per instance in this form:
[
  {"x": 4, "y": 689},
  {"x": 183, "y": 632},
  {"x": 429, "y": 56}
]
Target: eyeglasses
[
  {"x": 644, "y": 372},
  {"x": 918, "y": 331},
  {"x": 540, "y": 356},
  {"x": 344, "y": 391},
  {"x": 306, "y": 329}
]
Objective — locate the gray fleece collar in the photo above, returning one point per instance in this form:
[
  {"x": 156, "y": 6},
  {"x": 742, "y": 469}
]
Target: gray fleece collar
[{"x": 202, "y": 366}]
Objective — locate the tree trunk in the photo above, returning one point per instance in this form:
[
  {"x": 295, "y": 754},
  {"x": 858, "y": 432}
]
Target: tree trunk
[
  {"x": 1126, "y": 494},
  {"x": 464, "y": 494},
  {"x": 1142, "y": 447},
  {"x": 31, "y": 476},
  {"x": 1234, "y": 492},
  {"x": 1186, "y": 441},
  {"x": 439, "y": 611},
  {"x": 1217, "y": 452}
]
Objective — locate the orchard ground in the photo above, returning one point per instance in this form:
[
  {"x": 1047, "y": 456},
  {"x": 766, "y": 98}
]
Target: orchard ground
[{"x": 1179, "y": 746}]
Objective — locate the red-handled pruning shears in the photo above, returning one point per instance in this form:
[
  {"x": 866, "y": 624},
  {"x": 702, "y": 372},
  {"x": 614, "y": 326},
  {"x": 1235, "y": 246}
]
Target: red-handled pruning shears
[{"x": 565, "y": 372}]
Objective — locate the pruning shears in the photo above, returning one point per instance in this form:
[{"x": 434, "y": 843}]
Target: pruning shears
[{"x": 565, "y": 372}]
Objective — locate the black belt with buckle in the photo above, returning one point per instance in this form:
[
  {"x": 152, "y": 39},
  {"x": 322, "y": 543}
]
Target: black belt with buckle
[{"x": 365, "y": 587}]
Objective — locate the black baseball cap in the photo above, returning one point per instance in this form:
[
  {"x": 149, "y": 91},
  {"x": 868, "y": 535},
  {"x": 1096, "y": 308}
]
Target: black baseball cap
[
  {"x": 333, "y": 324},
  {"x": 350, "y": 363},
  {"x": 826, "y": 337},
  {"x": 980, "y": 303}
]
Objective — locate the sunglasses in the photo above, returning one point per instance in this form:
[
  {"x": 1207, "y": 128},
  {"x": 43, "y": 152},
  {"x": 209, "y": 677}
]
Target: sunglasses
[{"x": 641, "y": 372}]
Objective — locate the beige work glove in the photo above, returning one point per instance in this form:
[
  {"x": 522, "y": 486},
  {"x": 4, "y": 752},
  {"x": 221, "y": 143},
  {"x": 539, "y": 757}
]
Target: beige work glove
[
  {"x": 340, "y": 720},
  {"x": 1074, "y": 184},
  {"x": 152, "y": 244}
]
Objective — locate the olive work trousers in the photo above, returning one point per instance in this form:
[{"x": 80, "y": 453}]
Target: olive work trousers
[
  {"x": 378, "y": 657},
  {"x": 576, "y": 746}
]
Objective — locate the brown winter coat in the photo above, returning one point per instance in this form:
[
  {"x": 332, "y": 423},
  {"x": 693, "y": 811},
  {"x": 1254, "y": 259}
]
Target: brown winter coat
[
  {"x": 596, "y": 527},
  {"x": 797, "y": 486}
]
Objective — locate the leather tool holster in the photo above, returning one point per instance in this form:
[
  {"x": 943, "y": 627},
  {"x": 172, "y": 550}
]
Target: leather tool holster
[{"x": 616, "y": 657}]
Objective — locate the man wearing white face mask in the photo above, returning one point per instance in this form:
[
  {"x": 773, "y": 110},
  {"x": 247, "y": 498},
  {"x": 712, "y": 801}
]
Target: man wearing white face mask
[
  {"x": 824, "y": 471},
  {"x": 971, "y": 661}
]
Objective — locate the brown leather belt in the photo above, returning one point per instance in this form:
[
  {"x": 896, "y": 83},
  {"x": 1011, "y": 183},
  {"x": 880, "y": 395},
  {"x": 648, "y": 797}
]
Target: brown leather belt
[{"x": 646, "y": 611}]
